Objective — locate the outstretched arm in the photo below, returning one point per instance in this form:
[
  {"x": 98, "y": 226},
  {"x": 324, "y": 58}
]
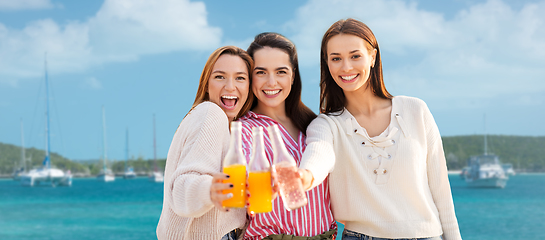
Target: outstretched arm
[{"x": 319, "y": 157}]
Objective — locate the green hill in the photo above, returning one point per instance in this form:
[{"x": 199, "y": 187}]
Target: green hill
[
  {"x": 527, "y": 154},
  {"x": 10, "y": 159}
]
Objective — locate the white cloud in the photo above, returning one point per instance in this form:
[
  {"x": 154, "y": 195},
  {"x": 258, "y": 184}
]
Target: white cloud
[
  {"x": 127, "y": 27},
  {"x": 485, "y": 51},
  {"x": 122, "y": 30},
  {"x": 93, "y": 83},
  {"x": 25, "y": 4}
]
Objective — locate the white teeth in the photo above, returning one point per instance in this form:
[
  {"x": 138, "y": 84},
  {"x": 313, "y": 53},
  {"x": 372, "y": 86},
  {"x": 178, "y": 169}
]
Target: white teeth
[
  {"x": 229, "y": 97},
  {"x": 348, "y": 78},
  {"x": 271, "y": 92}
]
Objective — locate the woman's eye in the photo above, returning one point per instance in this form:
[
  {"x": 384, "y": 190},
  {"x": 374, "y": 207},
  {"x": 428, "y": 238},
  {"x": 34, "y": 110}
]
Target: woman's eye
[
  {"x": 218, "y": 77},
  {"x": 335, "y": 59},
  {"x": 281, "y": 72},
  {"x": 356, "y": 56},
  {"x": 260, "y": 72},
  {"x": 241, "y": 78}
]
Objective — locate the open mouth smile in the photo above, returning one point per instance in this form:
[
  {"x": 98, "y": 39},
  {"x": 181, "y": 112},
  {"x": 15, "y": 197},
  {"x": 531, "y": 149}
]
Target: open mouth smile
[{"x": 229, "y": 101}]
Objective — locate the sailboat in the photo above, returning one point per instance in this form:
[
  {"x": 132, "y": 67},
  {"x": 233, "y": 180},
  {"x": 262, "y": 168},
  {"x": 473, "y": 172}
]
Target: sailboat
[
  {"x": 485, "y": 171},
  {"x": 129, "y": 172},
  {"x": 46, "y": 175},
  {"x": 21, "y": 169},
  {"x": 106, "y": 174},
  {"x": 155, "y": 176}
]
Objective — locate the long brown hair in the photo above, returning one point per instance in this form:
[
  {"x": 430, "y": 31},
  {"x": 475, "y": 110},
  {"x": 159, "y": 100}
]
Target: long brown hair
[
  {"x": 296, "y": 110},
  {"x": 202, "y": 91},
  {"x": 332, "y": 97}
]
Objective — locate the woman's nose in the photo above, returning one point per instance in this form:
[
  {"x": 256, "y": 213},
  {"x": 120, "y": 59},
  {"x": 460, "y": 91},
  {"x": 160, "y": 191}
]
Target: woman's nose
[
  {"x": 230, "y": 84},
  {"x": 346, "y": 65}
]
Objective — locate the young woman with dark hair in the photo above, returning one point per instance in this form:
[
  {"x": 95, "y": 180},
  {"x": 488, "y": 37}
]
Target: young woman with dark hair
[
  {"x": 276, "y": 84},
  {"x": 383, "y": 154}
]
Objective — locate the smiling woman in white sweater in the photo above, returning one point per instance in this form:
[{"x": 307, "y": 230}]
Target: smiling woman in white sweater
[
  {"x": 192, "y": 199},
  {"x": 384, "y": 155}
]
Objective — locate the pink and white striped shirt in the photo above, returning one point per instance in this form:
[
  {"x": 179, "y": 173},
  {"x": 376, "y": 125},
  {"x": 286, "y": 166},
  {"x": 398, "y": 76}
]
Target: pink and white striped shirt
[{"x": 314, "y": 218}]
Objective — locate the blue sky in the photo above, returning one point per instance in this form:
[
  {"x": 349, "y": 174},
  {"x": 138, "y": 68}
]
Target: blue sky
[{"x": 139, "y": 58}]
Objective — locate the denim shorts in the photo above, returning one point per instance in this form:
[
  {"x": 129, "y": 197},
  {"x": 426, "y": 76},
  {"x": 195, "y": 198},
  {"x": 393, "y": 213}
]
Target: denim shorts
[
  {"x": 350, "y": 235},
  {"x": 231, "y": 235}
]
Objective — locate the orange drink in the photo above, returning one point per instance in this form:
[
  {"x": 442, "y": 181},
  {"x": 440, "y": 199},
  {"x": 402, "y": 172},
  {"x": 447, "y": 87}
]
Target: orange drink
[
  {"x": 259, "y": 185},
  {"x": 237, "y": 173}
]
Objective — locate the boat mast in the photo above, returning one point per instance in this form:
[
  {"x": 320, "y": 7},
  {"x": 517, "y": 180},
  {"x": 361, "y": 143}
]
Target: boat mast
[
  {"x": 104, "y": 139},
  {"x": 485, "y": 140},
  {"x": 23, "y": 157},
  {"x": 154, "y": 146},
  {"x": 126, "y": 148},
  {"x": 47, "y": 161}
]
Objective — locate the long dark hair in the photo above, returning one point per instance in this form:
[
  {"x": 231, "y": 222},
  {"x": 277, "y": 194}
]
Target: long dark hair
[
  {"x": 332, "y": 97},
  {"x": 202, "y": 91},
  {"x": 297, "y": 111}
]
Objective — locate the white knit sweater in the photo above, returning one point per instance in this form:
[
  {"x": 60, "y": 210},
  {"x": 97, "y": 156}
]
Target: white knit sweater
[
  {"x": 196, "y": 151},
  {"x": 394, "y": 185}
]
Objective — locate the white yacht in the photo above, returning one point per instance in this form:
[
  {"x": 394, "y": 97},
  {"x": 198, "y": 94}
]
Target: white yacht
[
  {"x": 508, "y": 168},
  {"x": 129, "y": 171},
  {"x": 46, "y": 175},
  {"x": 485, "y": 170},
  {"x": 106, "y": 174},
  {"x": 155, "y": 176}
]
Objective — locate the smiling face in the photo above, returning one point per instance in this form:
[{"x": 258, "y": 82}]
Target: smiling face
[
  {"x": 272, "y": 77},
  {"x": 229, "y": 84},
  {"x": 350, "y": 61}
]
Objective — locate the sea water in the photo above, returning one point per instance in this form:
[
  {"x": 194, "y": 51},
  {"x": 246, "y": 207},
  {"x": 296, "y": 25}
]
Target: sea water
[
  {"x": 130, "y": 209},
  {"x": 90, "y": 209},
  {"x": 514, "y": 212}
]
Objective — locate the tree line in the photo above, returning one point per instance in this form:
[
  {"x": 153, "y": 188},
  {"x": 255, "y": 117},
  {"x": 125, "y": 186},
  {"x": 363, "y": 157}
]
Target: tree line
[
  {"x": 10, "y": 159},
  {"x": 526, "y": 154}
]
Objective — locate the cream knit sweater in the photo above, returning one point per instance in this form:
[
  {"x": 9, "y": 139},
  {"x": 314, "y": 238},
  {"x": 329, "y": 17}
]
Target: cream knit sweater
[
  {"x": 394, "y": 185},
  {"x": 196, "y": 151}
]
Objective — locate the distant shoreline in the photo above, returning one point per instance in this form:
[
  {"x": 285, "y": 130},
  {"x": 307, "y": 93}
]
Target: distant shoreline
[{"x": 450, "y": 172}]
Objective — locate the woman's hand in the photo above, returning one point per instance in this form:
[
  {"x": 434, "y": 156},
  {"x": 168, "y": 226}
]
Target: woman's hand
[
  {"x": 306, "y": 178},
  {"x": 216, "y": 195},
  {"x": 275, "y": 185}
]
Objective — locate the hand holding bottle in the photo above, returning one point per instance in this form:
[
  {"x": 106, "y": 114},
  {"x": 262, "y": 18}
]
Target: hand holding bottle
[
  {"x": 216, "y": 195},
  {"x": 287, "y": 176},
  {"x": 306, "y": 178},
  {"x": 234, "y": 165}
]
